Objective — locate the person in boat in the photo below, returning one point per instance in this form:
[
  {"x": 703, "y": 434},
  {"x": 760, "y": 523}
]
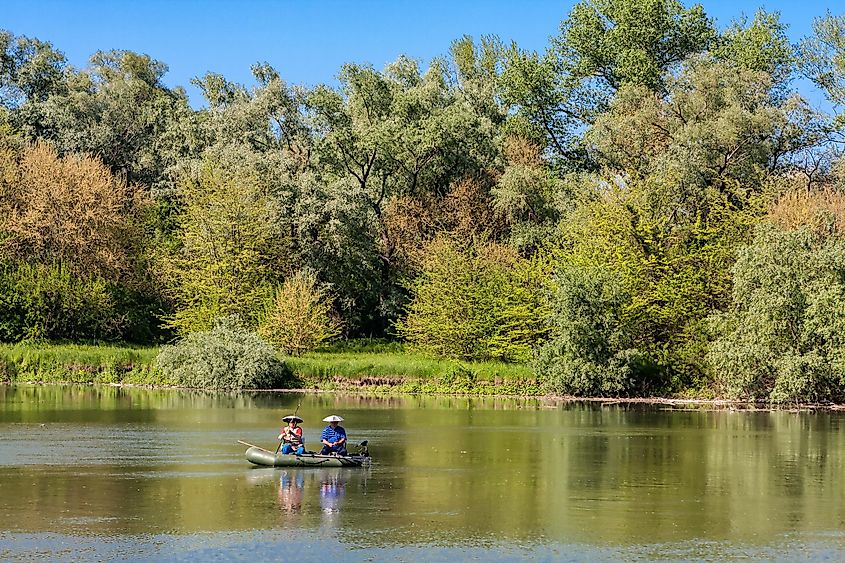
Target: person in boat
[
  {"x": 291, "y": 436},
  {"x": 333, "y": 437}
]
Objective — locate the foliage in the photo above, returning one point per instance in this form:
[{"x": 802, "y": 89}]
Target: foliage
[
  {"x": 822, "y": 56},
  {"x": 782, "y": 339},
  {"x": 70, "y": 210},
  {"x": 48, "y": 302},
  {"x": 299, "y": 318},
  {"x": 386, "y": 135},
  {"x": 226, "y": 357},
  {"x": 823, "y": 211},
  {"x": 355, "y": 361},
  {"x": 761, "y": 46},
  {"x": 633, "y": 157},
  {"x": 79, "y": 363},
  {"x": 230, "y": 249},
  {"x": 590, "y": 351},
  {"x": 622, "y": 42},
  {"x": 476, "y": 303},
  {"x": 685, "y": 178}
]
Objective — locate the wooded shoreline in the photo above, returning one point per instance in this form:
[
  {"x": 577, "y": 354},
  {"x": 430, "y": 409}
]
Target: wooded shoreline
[{"x": 654, "y": 205}]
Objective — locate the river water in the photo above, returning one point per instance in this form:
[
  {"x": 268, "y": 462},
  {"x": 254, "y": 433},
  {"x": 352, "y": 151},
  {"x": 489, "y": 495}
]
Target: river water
[{"x": 121, "y": 473}]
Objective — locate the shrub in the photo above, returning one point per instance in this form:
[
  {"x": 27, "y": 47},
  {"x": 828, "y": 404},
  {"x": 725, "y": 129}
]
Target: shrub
[
  {"x": 299, "y": 317},
  {"x": 49, "y": 302},
  {"x": 226, "y": 357},
  {"x": 591, "y": 351},
  {"x": 784, "y": 336}
]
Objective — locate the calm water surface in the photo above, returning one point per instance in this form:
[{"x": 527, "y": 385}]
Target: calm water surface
[{"x": 112, "y": 473}]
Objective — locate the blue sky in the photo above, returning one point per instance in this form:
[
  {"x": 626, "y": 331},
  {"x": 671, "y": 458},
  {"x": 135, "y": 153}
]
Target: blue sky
[{"x": 307, "y": 41}]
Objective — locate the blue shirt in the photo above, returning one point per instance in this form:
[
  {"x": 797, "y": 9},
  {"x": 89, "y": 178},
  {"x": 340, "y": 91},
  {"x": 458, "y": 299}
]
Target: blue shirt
[{"x": 333, "y": 434}]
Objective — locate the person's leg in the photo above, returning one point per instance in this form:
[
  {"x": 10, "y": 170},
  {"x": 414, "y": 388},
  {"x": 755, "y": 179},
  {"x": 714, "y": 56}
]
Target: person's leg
[
  {"x": 300, "y": 450},
  {"x": 341, "y": 450},
  {"x": 287, "y": 449},
  {"x": 325, "y": 450}
]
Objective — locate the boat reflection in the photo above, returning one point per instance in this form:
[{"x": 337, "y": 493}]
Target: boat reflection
[
  {"x": 291, "y": 486},
  {"x": 332, "y": 490},
  {"x": 297, "y": 485}
]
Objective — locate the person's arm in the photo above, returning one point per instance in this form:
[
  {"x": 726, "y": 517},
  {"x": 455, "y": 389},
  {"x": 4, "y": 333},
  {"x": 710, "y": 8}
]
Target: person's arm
[
  {"x": 342, "y": 438},
  {"x": 298, "y": 432},
  {"x": 324, "y": 438}
]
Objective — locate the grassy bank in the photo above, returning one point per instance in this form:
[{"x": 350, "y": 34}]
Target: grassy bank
[
  {"x": 80, "y": 363},
  {"x": 383, "y": 366},
  {"x": 375, "y": 365}
]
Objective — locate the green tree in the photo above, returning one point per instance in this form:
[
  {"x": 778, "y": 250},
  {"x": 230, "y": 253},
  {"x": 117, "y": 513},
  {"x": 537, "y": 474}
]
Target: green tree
[
  {"x": 684, "y": 178},
  {"x": 783, "y": 337},
  {"x": 230, "y": 252},
  {"x": 822, "y": 56},
  {"x": 476, "y": 303},
  {"x": 760, "y": 45},
  {"x": 591, "y": 350},
  {"x": 385, "y": 135},
  {"x": 621, "y": 42}
]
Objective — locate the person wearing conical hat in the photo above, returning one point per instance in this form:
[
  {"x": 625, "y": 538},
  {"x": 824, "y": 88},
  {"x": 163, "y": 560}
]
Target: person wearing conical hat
[
  {"x": 333, "y": 437},
  {"x": 291, "y": 436}
]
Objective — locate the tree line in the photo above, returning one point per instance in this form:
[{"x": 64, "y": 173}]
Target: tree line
[{"x": 650, "y": 205}]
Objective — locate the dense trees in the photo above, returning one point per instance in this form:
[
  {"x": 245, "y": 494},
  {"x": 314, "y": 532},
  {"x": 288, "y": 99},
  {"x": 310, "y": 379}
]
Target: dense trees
[{"x": 648, "y": 206}]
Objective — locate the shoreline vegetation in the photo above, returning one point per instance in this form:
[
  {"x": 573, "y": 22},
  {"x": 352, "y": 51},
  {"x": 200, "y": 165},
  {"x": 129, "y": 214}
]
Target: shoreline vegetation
[
  {"x": 651, "y": 206},
  {"x": 365, "y": 367},
  {"x": 375, "y": 365}
]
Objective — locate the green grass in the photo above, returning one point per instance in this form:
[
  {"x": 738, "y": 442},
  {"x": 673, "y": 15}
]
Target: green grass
[
  {"x": 79, "y": 363},
  {"x": 376, "y": 364},
  {"x": 357, "y": 365}
]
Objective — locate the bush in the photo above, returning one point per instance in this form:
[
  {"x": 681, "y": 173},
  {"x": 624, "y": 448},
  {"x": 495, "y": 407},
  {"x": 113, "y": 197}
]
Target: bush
[
  {"x": 299, "y": 317},
  {"x": 784, "y": 338},
  {"x": 226, "y": 357},
  {"x": 590, "y": 352},
  {"x": 478, "y": 303},
  {"x": 48, "y": 302}
]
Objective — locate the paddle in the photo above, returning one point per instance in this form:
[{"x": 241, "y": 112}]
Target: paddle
[
  {"x": 253, "y": 446},
  {"x": 294, "y": 414}
]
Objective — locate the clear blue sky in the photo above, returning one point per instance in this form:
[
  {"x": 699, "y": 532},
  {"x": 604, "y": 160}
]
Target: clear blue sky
[{"x": 305, "y": 40}]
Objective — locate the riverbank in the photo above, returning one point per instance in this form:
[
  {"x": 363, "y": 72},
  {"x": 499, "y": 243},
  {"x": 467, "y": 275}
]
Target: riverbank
[
  {"x": 358, "y": 366},
  {"x": 377, "y": 366}
]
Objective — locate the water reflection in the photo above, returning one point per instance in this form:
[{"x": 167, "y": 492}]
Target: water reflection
[
  {"x": 291, "y": 485},
  {"x": 332, "y": 491},
  {"x": 299, "y": 489},
  {"x": 328, "y": 484}
]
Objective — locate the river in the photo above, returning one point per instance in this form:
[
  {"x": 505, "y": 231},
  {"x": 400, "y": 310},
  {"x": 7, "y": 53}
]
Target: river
[{"x": 100, "y": 472}]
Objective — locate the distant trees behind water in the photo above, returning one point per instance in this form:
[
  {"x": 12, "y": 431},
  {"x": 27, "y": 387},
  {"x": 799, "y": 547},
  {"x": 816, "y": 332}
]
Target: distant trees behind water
[{"x": 647, "y": 206}]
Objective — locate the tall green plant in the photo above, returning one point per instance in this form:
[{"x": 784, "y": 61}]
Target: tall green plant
[
  {"x": 784, "y": 337},
  {"x": 299, "y": 318},
  {"x": 592, "y": 349},
  {"x": 49, "y": 302},
  {"x": 231, "y": 248}
]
